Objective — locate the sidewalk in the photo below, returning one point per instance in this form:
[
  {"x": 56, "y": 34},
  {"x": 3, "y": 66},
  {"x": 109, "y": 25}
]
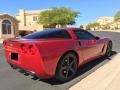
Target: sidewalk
[{"x": 106, "y": 77}]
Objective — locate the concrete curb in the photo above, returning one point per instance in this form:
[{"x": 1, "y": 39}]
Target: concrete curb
[
  {"x": 106, "y": 77},
  {"x": 108, "y": 30}
]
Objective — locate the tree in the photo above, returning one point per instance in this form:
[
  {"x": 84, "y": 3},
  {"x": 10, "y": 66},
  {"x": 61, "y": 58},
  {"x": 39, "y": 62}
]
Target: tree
[
  {"x": 105, "y": 27},
  {"x": 117, "y": 16},
  {"x": 92, "y": 25},
  {"x": 45, "y": 18},
  {"x": 81, "y": 26},
  {"x": 58, "y": 16}
]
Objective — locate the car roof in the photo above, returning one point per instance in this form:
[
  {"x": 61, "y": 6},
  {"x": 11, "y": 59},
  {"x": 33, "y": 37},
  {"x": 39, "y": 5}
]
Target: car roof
[
  {"x": 64, "y": 29},
  {"x": 73, "y": 28}
]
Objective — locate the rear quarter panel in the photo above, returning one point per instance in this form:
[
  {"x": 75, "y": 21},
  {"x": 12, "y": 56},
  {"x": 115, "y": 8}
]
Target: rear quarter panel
[{"x": 52, "y": 50}]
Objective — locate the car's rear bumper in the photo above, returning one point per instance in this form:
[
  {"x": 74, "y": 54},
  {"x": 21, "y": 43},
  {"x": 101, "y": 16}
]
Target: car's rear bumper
[
  {"x": 33, "y": 64},
  {"x": 27, "y": 72}
]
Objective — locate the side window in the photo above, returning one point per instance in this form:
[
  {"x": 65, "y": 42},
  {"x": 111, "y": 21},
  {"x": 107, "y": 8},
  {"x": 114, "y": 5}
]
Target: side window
[
  {"x": 59, "y": 34},
  {"x": 83, "y": 35},
  {"x": 49, "y": 34}
]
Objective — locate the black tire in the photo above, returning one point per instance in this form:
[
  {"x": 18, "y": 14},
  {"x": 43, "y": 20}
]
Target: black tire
[
  {"x": 109, "y": 49},
  {"x": 67, "y": 67}
]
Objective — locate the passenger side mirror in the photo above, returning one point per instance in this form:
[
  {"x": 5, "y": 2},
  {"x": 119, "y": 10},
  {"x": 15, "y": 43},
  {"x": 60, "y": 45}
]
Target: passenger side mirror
[{"x": 97, "y": 38}]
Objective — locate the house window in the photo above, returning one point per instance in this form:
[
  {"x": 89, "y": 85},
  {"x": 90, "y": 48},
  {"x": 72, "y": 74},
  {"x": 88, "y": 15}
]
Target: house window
[
  {"x": 35, "y": 18},
  {"x": 6, "y": 27}
]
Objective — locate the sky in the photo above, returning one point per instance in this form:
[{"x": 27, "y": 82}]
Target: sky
[{"x": 90, "y": 9}]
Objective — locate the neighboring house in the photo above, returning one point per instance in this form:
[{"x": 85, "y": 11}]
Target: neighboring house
[
  {"x": 105, "y": 20},
  {"x": 28, "y": 20},
  {"x": 108, "y": 21},
  {"x": 8, "y": 26},
  {"x": 115, "y": 25}
]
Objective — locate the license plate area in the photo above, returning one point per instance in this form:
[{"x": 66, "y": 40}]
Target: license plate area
[{"x": 14, "y": 56}]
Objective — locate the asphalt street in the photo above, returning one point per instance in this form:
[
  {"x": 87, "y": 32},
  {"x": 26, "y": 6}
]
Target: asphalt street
[
  {"x": 115, "y": 37},
  {"x": 14, "y": 80}
]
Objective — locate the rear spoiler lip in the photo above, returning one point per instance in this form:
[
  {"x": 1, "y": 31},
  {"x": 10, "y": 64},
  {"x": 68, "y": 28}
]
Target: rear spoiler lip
[{"x": 20, "y": 41}]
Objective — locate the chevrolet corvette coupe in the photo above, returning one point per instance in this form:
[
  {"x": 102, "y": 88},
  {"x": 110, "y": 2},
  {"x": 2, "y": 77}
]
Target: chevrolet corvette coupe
[{"x": 55, "y": 53}]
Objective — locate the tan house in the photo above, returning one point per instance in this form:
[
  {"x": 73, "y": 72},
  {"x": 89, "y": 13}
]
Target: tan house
[
  {"x": 115, "y": 25},
  {"x": 8, "y": 26},
  {"x": 108, "y": 21},
  {"x": 105, "y": 20},
  {"x": 28, "y": 20}
]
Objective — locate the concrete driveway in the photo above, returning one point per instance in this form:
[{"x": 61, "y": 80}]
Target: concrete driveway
[{"x": 13, "y": 80}]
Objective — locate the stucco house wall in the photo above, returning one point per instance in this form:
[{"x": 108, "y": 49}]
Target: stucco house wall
[{"x": 28, "y": 20}]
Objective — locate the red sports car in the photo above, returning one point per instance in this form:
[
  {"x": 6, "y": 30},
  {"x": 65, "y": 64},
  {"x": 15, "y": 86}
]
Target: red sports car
[{"x": 56, "y": 52}]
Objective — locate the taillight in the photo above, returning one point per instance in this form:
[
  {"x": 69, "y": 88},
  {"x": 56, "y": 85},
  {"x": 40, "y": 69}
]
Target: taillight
[
  {"x": 23, "y": 48},
  {"x": 4, "y": 43},
  {"x": 28, "y": 49},
  {"x": 31, "y": 49}
]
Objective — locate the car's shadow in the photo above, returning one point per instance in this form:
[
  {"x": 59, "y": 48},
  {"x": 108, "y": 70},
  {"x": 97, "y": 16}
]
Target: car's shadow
[{"x": 82, "y": 72}]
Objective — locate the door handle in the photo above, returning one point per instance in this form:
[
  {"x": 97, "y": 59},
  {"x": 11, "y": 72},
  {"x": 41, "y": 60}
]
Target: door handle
[{"x": 79, "y": 43}]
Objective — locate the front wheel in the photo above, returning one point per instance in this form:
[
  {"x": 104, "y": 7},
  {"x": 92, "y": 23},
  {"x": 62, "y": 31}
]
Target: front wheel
[
  {"x": 67, "y": 67},
  {"x": 109, "y": 49}
]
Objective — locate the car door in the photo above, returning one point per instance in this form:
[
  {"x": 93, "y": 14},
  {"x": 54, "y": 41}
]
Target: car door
[{"x": 88, "y": 44}]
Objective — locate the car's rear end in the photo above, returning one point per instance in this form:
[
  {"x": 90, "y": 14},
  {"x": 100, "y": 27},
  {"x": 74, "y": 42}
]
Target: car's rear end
[{"x": 25, "y": 55}]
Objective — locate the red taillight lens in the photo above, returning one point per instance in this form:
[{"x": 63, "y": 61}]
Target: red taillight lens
[
  {"x": 24, "y": 48},
  {"x": 28, "y": 49},
  {"x": 4, "y": 43},
  {"x": 31, "y": 49}
]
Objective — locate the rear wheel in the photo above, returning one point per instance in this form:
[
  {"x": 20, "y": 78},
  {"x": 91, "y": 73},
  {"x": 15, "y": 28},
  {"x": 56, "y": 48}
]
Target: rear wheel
[
  {"x": 109, "y": 49},
  {"x": 67, "y": 67}
]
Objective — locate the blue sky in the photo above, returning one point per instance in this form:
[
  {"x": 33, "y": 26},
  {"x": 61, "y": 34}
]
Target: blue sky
[{"x": 89, "y": 9}]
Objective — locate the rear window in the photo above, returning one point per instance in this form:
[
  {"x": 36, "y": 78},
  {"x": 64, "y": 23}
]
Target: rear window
[{"x": 48, "y": 34}]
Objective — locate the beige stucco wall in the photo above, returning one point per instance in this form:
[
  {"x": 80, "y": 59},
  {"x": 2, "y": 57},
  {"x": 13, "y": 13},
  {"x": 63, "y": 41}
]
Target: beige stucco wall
[
  {"x": 21, "y": 17},
  {"x": 30, "y": 22},
  {"x": 26, "y": 20}
]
